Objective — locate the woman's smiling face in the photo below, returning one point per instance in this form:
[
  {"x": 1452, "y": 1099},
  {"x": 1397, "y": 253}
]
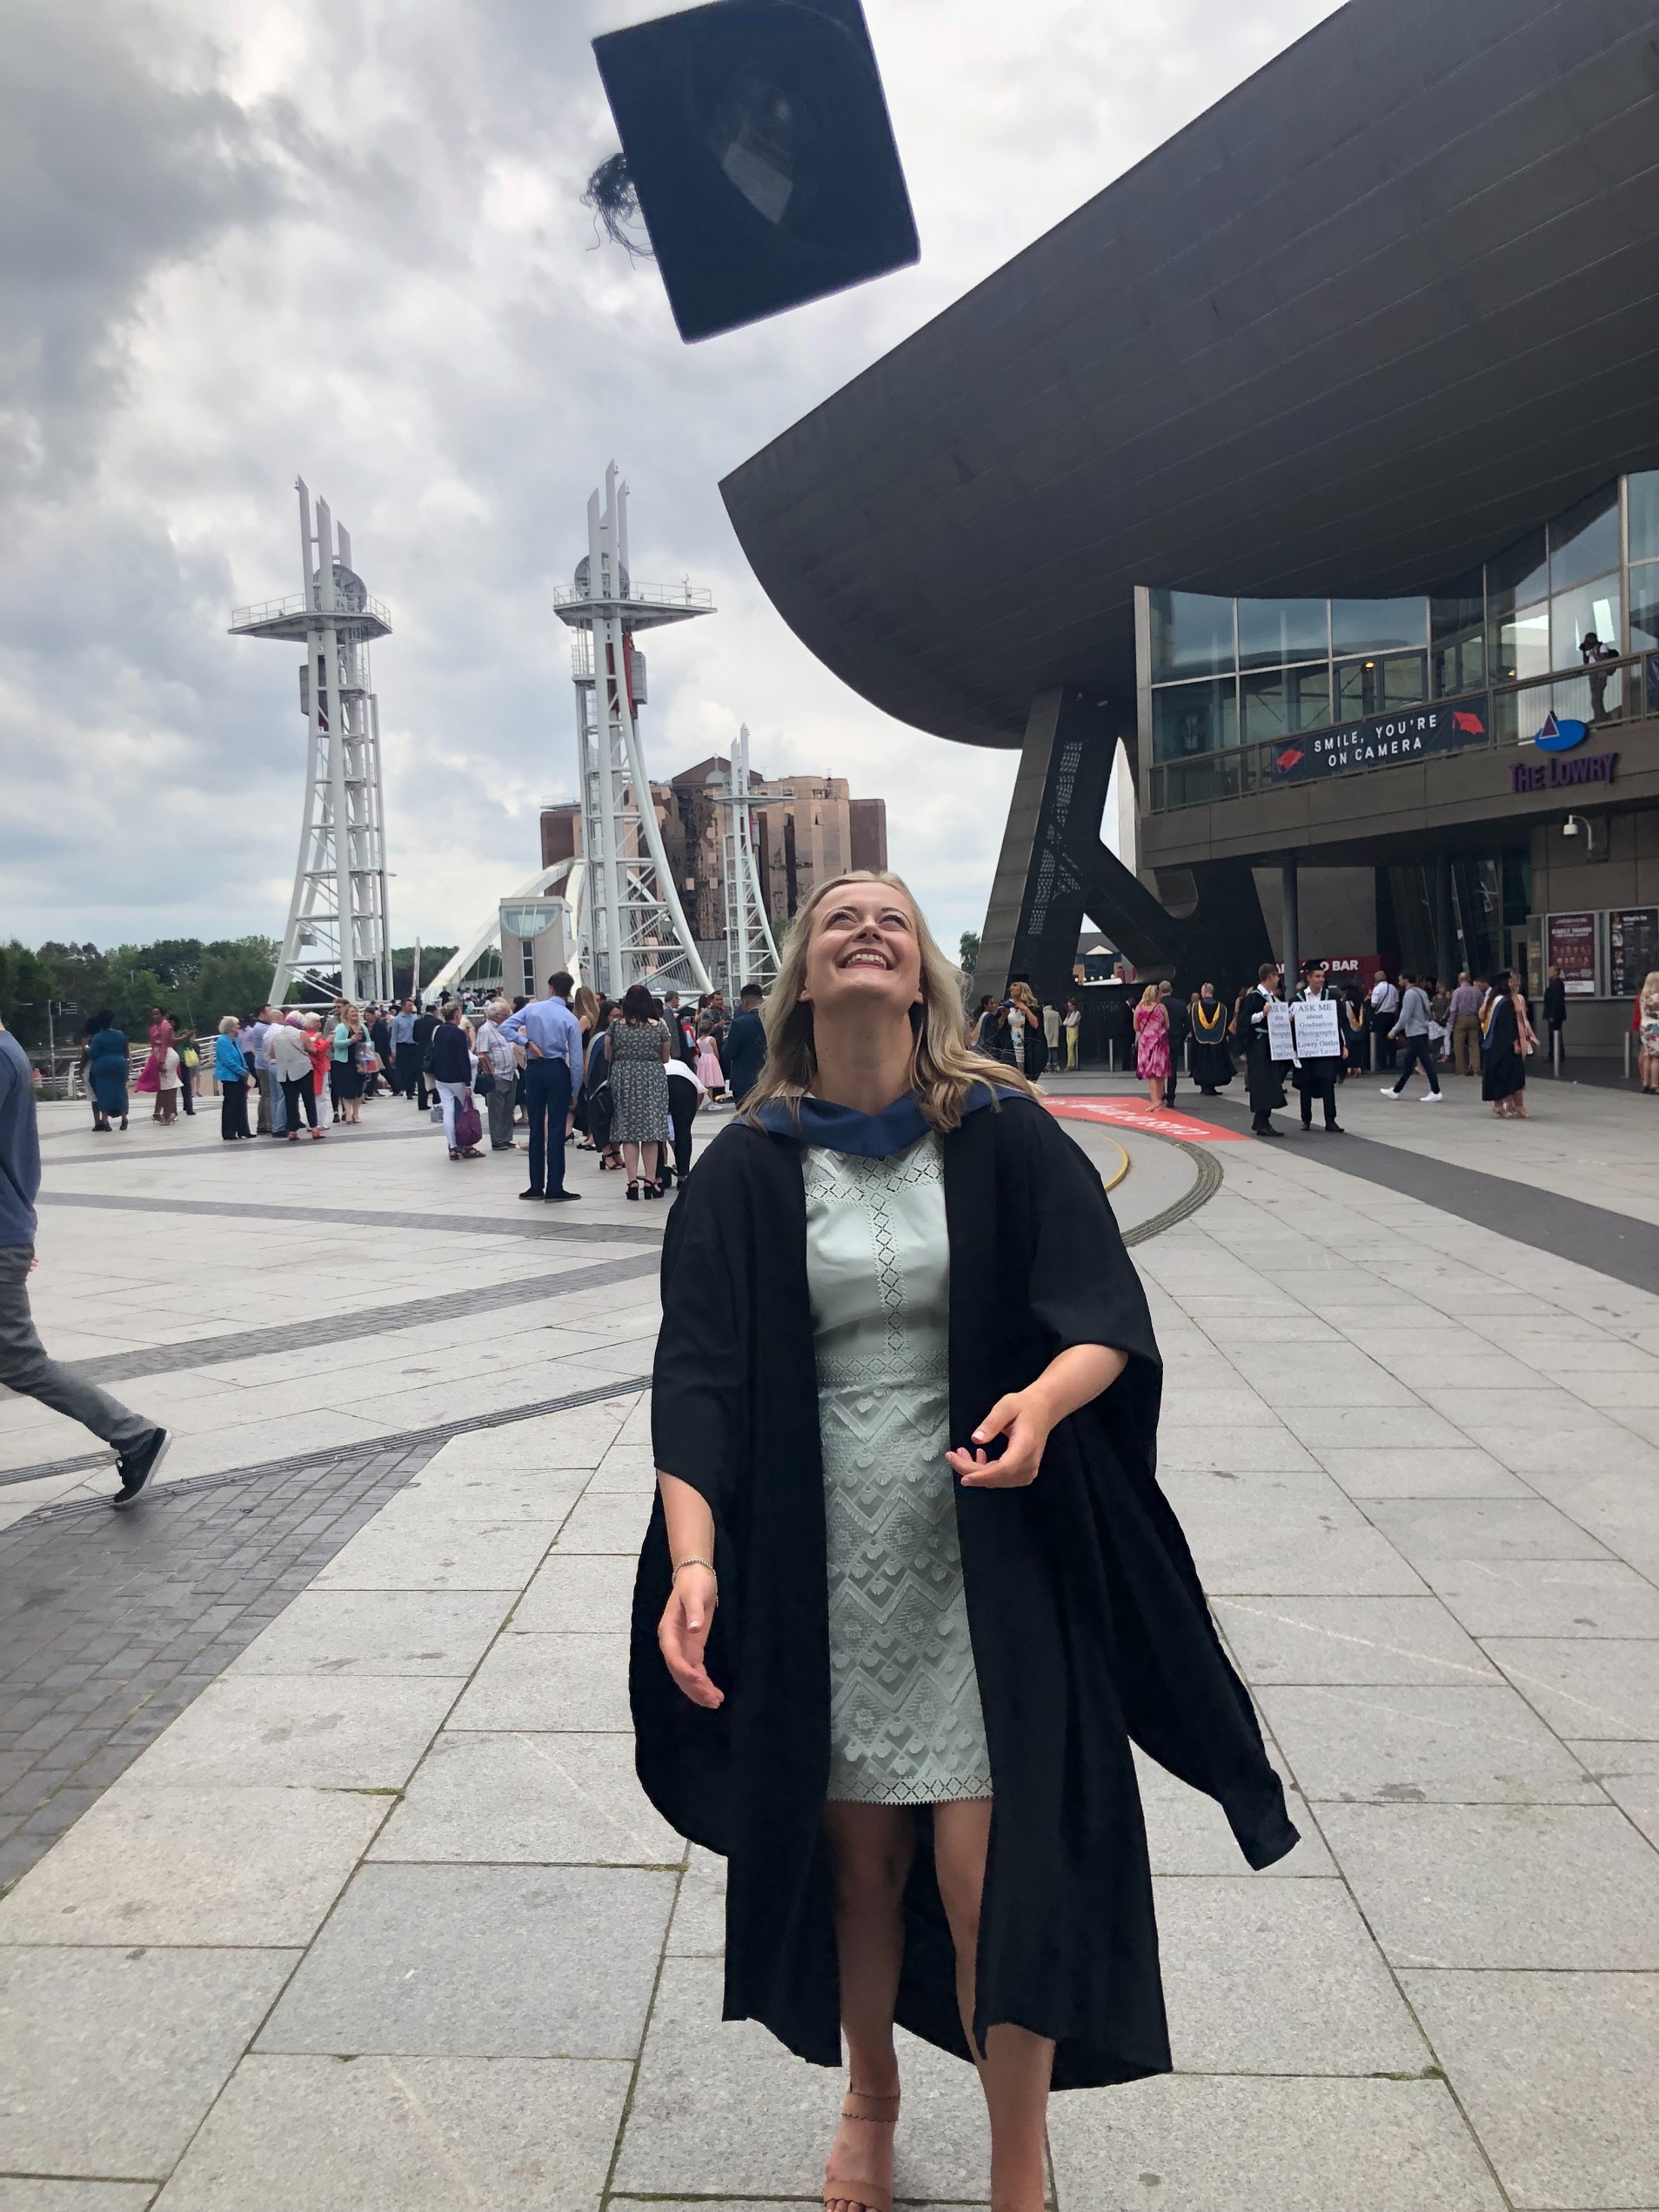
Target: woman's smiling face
[{"x": 864, "y": 952}]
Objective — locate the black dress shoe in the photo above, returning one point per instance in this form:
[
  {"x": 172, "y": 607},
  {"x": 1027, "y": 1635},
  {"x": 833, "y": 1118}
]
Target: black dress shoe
[
  {"x": 557, "y": 1198},
  {"x": 1334, "y": 1129},
  {"x": 531, "y": 1193},
  {"x": 135, "y": 1468}
]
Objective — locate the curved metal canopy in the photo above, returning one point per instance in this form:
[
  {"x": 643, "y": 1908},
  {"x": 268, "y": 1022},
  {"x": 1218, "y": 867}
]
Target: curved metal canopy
[{"x": 1389, "y": 304}]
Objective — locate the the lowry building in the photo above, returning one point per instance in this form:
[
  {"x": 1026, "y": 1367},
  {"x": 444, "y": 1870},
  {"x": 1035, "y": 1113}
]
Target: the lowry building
[{"x": 1317, "y": 461}]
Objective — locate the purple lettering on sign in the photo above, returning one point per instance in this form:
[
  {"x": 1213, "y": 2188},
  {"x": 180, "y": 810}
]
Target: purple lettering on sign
[{"x": 1557, "y": 774}]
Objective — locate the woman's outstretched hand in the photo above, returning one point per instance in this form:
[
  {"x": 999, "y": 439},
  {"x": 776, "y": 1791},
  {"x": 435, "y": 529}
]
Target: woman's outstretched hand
[
  {"x": 682, "y": 1635},
  {"x": 1026, "y": 1417}
]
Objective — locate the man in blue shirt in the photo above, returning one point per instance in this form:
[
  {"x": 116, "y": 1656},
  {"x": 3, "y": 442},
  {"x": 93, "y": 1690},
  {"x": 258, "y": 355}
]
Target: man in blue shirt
[
  {"x": 23, "y": 1365},
  {"x": 552, "y": 1038}
]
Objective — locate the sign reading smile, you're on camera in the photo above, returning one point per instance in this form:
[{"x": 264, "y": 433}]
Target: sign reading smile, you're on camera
[{"x": 1384, "y": 740}]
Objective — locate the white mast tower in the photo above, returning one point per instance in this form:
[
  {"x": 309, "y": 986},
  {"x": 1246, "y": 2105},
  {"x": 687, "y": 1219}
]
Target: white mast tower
[
  {"x": 751, "y": 956},
  {"x": 336, "y": 936},
  {"x": 636, "y": 927}
]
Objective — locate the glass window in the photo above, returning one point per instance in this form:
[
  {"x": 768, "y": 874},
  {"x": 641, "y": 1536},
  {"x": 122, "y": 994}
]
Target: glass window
[
  {"x": 1457, "y": 632},
  {"x": 1271, "y": 631},
  {"x": 1520, "y": 647},
  {"x": 1378, "y": 686},
  {"x": 1644, "y": 608},
  {"x": 1378, "y": 625},
  {"x": 1192, "y": 634},
  {"x": 1590, "y": 610},
  {"x": 1643, "y": 497},
  {"x": 1188, "y": 719},
  {"x": 1518, "y": 575},
  {"x": 1460, "y": 666},
  {"x": 1281, "y": 701},
  {"x": 1585, "y": 540}
]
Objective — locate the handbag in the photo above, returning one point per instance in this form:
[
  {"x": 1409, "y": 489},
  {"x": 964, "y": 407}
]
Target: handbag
[
  {"x": 483, "y": 1081},
  {"x": 468, "y": 1127}
]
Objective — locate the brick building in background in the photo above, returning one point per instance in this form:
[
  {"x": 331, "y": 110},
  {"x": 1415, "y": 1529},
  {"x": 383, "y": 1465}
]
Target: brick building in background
[{"x": 808, "y": 829}]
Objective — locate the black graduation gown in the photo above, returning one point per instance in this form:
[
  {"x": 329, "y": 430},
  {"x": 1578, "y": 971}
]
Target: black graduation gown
[
  {"x": 1318, "y": 1078},
  {"x": 1503, "y": 1071},
  {"x": 1264, "y": 1077},
  {"x": 1088, "y": 1621},
  {"x": 1208, "y": 1057}
]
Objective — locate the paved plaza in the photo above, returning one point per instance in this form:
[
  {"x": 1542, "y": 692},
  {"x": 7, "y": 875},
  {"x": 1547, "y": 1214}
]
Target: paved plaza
[{"x": 329, "y": 1883}]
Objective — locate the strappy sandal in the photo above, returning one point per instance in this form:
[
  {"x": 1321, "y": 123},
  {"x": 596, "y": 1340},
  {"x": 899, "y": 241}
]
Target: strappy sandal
[{"x": 863, "y": 2196}]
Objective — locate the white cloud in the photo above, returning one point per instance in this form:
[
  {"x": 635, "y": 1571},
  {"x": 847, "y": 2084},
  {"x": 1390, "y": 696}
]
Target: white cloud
[{"x": 247, "y": 239}]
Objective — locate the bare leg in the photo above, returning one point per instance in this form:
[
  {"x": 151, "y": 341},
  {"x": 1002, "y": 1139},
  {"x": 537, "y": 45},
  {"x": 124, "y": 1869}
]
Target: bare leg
[
  {"x": 870, "y": 1850},
  {"x": 630, "y": 1160},
  {"x": 1015, "y": 2067},
  {"x": 648, "y": 1161}
]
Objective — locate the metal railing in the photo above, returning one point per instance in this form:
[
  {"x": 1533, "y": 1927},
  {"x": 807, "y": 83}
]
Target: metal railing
[
  {"x": 648, "y": 595},
  {"x": 1604, "y": 697},
  {"x": 297, "y": 603}
]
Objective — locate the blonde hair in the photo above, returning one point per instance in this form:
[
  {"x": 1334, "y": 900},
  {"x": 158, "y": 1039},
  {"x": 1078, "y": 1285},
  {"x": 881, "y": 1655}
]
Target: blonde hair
[
  {"x": 1150, "y": 996},
  {"x": 1650, "y": 982},
  {"x": 944, "y": 1068}
]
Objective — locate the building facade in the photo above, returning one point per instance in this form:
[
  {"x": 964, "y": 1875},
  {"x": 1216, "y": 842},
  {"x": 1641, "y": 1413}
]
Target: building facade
[
  {"x": 808, "y": 830},
  {"x": 1313, "y": 460}
]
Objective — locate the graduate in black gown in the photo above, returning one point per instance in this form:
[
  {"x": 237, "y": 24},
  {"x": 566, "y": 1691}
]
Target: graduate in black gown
[
  {"x": 1316, "y": 1078},
  {"x": 1208, "y": 1056},
  {"x": 1016, "y": 1930},
  {"x": 1264, "y": 1077}
]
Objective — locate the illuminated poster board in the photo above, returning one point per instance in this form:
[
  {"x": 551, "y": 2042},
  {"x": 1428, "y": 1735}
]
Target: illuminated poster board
[
  {"x": 1632, "y": 948},
  {"x": 1570, "y": 946}
]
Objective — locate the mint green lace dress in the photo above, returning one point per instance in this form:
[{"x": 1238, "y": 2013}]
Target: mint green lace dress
[{"x": 906, "y": 1727}]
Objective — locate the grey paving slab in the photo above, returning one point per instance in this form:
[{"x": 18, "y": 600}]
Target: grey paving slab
[
  {"x": 404, "y": 2135},
  {"x": 200, "y": 1864},
  {"x": 1351, "y": 1640},
  {"x": 1263, "y": 1977},
  {"x": 1586, "y": 1685},
  {"x": 1398, "y": 1471},
  {"x": 305, "y": 1731},
  {"x": 1417, "y": 1743},
  {"x": 721, "y": 2109},
  {"x": 476, "y": 1490},
  {"x": 697, "y": 1929},
  {"x": 1426, "y": 1531},
  {"x": 1188, "y": 1834},
  {"x": 584, "y": 1593},
  {"x": 1559, "y": 2074},
  {"x": 550, "y": 1681},
  {"x": 74, "y": 2197},
  {"x": 109, "y": 2059},
  {"x": 1226, "y": 1449},
  {"x": 1417, "y": 1428},
  {"x": 1566, "y": 1886},
  {"x": 1629, "y": 1775},
  {"x": 484, "y": 1961},
  {"x": 416, "y": 1553},
  {"x": 1294, "y": 1551},
  {"x": 378, "y": 1631},
  {"x": 534, "y": 1798},
  {"x": 606, "y": 1523},
  {"x": 1186, "y": 2143},
  {"x": 1529, "y": 1597}
]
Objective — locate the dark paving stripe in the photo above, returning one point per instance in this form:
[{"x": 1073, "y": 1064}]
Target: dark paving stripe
[
  {"x": 157, "y": 1153},
  {"x": 394, "y": 1440},
  {"x": 111, "y": 1627},
  {"x": 536, "y": 1223},
  {"x": 110, "y": 1624},
  {"x": 375, "y": 1320}
]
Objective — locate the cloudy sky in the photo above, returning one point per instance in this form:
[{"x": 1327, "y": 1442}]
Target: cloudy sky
[{"x": 241, "y": 240}]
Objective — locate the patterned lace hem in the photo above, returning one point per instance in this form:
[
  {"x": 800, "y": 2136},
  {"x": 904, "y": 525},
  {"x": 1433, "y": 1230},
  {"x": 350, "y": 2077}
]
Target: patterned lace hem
[{"x": 901, "y": 1792}]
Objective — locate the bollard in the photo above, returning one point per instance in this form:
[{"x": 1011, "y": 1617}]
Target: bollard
[
  {"x": 1555, "y": 1053},
  {"x": 1627, "y": 1056}
]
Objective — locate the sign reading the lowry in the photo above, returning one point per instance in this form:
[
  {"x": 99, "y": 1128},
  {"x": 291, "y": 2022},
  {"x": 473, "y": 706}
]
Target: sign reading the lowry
[
  {"x": 1555, "y": 774},
  {"x": 1383, "y": 740}
]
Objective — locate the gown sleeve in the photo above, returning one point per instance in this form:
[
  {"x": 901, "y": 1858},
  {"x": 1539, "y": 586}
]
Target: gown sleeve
[{"x": 698, "y": 1376}]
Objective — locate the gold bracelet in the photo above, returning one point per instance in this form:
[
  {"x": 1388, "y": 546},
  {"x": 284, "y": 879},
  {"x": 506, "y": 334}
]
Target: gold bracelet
[{"x": 693, "y": 1562}]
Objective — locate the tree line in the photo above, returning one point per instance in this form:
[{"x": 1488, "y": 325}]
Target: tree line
[{"x": 55, "y": 989}]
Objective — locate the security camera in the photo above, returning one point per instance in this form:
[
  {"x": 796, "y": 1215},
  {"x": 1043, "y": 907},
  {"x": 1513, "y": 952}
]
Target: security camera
[{"x": 1570, "y": 826}]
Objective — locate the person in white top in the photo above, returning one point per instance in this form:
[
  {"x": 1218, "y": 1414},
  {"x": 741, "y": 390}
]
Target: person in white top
[
  {"x": 1385, "y": 1007},
  {"x": 497, "y": 1053}
]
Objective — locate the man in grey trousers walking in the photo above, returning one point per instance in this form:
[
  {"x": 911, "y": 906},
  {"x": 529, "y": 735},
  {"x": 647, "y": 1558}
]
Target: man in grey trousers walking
[{"x": 23, "y": 1366}]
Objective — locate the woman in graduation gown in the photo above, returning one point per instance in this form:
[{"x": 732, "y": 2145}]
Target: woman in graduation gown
[{"x": 910, "y": 1587}]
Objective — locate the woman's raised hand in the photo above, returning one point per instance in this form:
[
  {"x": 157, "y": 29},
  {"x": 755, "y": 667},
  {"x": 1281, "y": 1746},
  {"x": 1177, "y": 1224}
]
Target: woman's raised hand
[
  {"x": 1024, "y": 1417},
  {"x": 682, "y": 1634}
]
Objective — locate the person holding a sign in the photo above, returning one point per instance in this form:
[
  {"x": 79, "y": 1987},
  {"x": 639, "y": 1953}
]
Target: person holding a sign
[
  {"x": 1316, "y": 1027},
  {"x": 1264, "y": 1020}
]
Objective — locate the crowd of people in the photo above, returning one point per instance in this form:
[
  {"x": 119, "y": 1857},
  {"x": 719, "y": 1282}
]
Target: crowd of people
[
  {"x": 1024, "y": 1033},
  {"x": 1480, "y": 1026},
  {"x": 626, "y": 1078}
]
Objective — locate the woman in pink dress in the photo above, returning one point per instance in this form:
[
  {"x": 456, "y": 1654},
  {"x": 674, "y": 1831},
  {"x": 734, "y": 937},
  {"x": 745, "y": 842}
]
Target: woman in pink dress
[
  {"x": 161, "y": 1036},
  {"x": 1152, "y": 1043}
]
